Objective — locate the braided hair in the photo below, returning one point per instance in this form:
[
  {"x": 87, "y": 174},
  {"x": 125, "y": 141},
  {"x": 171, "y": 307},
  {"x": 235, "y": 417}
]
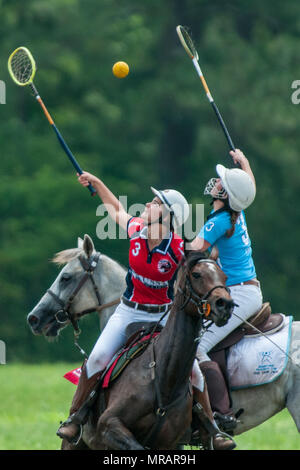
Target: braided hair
[{"x": 234, "y": 215}]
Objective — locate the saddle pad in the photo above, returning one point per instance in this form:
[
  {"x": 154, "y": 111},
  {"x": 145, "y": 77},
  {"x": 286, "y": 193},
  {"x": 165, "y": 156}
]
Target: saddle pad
[
  {"x": 257, "y": 361},
  {"x": 123, "y": 359},
  {"x": 117, "y": 365}
]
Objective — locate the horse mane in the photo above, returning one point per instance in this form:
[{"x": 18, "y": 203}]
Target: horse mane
[
  {"x": 192, "y": 257},
  {"x": 65, "y": 256}
]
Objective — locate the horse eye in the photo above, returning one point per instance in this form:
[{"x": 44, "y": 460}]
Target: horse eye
[
  {"x": 65, "y": 277},
  {"x": 196, "y": 275}
]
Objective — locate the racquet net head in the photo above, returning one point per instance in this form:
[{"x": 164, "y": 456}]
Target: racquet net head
[
  {"x": 187, "y": 42},
  {"x": 21, "y": 66}
]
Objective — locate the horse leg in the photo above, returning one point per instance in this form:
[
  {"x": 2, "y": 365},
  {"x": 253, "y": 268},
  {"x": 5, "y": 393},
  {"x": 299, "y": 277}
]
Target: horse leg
[
  {"x": 116, "y": 436},
  {"x": 292, "y": 402}
]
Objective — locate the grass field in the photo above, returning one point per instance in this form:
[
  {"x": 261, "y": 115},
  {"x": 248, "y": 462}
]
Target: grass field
[{"x": 34, "y": 399}]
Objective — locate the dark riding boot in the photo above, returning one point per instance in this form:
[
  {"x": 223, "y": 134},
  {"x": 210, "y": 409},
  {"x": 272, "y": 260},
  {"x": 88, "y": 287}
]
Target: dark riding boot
[
  {"x": 211, "y": 436},
  {"x": 81, "y": 404},
  {"x": 218, "y": 395}
]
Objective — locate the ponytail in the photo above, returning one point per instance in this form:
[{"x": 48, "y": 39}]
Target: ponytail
[
  {"x": 234, "y": 215},
  {"x": 233, "y": 218},
  {"x": 171, "y": 225}
]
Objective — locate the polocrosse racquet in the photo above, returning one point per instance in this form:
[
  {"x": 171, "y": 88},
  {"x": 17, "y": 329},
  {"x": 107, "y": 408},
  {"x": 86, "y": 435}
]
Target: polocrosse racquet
[
  {"x": 190, "y": 49},
  {"x": 22, "y": 68}
]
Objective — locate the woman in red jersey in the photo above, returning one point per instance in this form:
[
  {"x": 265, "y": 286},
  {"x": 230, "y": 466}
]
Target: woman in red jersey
[{"x": 154, "y": 255}]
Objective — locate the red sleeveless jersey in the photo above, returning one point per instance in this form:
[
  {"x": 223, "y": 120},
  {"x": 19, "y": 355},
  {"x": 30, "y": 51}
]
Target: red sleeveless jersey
[{"x": 151, "y": 274}]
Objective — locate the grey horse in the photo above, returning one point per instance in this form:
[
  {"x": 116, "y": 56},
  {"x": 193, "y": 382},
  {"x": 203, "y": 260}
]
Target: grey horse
[{"x": 259, "y": 403}]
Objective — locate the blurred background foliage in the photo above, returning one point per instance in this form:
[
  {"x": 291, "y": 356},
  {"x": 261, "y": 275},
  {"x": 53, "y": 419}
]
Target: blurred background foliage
[{"x": 155, "y": 127}]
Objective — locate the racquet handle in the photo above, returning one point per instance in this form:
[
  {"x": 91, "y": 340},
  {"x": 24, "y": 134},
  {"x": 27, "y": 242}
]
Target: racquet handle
[
  {"x": 60, "y": 138},
  {"x": 72, "y": 158},
  {"x": 228, "y": 138}
]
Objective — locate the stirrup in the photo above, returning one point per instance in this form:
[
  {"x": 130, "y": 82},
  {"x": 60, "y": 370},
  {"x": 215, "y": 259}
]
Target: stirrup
[
  {"x": 75, "y": 442},
  {"x": 225, "y": 422},
  {"x": 210, "y": 427}
]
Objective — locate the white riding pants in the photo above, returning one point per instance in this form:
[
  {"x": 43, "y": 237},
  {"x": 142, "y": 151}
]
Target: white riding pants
[
  {"x": 113, "y": 337},
  {"x": 249, "y": 299}
]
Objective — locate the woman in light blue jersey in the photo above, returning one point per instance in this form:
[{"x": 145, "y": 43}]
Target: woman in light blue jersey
[{"x": 226, "y": 230}]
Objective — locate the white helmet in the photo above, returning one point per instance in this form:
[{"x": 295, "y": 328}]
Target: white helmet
[
  {"x": 176, "y": 203},
  {"x": 239, "y": 187}
]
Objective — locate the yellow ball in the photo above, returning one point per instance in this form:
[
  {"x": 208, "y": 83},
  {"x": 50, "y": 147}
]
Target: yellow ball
[{"x": 120, "y": 69}]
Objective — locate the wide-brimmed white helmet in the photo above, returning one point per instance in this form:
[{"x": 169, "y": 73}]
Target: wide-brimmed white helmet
[
  {"x": 239, "y": 187},
  {"x": 176, "y": 203}
]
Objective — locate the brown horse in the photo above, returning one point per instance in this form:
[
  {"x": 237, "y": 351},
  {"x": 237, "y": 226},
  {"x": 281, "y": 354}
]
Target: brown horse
[{"x": 150, "y": 404}]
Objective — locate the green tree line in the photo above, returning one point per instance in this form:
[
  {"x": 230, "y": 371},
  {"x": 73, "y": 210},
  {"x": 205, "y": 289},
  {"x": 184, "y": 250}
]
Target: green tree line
[{"x": 153, "y": 128}]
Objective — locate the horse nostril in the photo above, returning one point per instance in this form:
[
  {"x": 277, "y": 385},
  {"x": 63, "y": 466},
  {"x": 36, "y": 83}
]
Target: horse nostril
[
  {"x": 224, "y": 305},
  {"x": 33, "y": 320},
  {"x": 220, "y": 303}
]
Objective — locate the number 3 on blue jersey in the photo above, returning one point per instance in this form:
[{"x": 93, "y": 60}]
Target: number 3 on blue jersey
[
  {"x": 245, "y": 236},
  {"x": 137, "y": 248}
]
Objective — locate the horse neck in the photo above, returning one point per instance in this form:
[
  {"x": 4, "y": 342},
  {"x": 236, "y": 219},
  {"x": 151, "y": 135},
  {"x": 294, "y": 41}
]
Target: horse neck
[
  {"x": 110, "y": 277},
  {"x": 176, "y": 346}
]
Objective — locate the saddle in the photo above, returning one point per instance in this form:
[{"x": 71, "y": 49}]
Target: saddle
[
  {"x": 139, "y": 336},
  {"x": 137, "y": 330},
  {"x": 264, "y": 321}
]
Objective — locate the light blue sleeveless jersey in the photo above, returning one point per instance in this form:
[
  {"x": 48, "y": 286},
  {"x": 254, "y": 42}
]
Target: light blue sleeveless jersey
[{"x": 235, "y": 253}]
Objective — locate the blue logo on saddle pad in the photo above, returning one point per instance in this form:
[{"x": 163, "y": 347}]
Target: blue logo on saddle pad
[{"x": 266, "y": 365}]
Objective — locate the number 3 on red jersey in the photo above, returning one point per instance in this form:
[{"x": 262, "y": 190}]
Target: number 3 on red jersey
[{"x": 135, "y": 251}]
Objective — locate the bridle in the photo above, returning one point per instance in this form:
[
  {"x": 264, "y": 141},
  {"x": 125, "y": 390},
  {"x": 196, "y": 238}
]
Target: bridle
[
  {"x": 201, "y": 301},
  {"x": 63, "y": 315}
]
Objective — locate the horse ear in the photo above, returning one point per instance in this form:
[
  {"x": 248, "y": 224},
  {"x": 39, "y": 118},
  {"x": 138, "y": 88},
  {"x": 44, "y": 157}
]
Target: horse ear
[
  {"x": 79, "y": 243},
  {"x": 214, "y": 254},
  {"x": 187, "y": 247},
  {"x": 88, "y": 245}
]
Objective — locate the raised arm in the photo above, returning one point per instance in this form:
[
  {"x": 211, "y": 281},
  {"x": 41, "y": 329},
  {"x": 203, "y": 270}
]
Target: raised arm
[
  {"x": 112, "y": 204},
  {"x": 239, "y": 157}
]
